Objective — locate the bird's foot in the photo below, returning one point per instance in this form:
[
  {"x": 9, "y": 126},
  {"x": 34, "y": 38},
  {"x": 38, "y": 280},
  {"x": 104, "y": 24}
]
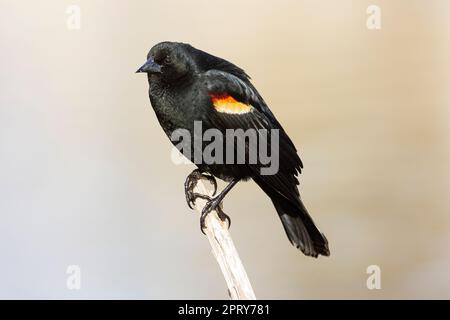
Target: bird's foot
[
  {"x": 191, "y": 182},
  {"x": 211, "y": 205}
]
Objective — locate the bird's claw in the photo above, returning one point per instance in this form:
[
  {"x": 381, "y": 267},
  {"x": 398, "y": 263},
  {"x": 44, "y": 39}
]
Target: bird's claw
[
  {"x": 191, "y": 182},
  {"x": 213, "y": 204}
]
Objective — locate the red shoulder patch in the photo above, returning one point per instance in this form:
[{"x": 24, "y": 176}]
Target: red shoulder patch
[{"x": 225, "y": 103}]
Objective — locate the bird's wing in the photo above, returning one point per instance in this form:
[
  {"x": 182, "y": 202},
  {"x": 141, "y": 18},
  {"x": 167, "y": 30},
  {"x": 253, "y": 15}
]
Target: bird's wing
[
  {"x": 236, "y": 104},
  {"x": 242, "y": 88}
]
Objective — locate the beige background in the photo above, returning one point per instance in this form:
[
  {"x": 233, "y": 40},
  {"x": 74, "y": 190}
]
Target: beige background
[{"x": 85, "y": 170}]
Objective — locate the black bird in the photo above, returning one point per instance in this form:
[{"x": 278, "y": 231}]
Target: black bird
[{"x": 187, "y": 85}]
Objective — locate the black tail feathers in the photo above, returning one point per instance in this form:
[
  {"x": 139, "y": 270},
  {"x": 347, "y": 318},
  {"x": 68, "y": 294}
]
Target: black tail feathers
[{"x": 300, "y": 229}]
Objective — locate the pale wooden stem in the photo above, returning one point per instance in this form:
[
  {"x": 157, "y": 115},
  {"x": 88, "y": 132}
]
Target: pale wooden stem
[{"x": 239, "y": 287}]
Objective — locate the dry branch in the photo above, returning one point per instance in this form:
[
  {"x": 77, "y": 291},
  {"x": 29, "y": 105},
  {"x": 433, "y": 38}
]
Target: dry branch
[{"x": 239, "y": 287}]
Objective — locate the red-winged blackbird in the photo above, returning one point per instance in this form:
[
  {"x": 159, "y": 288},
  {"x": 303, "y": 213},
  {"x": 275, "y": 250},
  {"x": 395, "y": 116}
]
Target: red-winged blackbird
[{"x": 189, "y": 85}]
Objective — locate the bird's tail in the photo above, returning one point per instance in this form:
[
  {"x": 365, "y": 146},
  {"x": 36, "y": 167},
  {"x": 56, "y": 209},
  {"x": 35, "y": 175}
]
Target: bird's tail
[{"x": 300, "y": 228}]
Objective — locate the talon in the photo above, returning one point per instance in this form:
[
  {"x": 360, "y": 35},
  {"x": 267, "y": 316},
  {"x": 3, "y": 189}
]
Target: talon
[
  {"x": 223, "y": 216},
  {"x": 191, "y": 182},
  {"x": 213, "y": 182},
  {"x": 189, "y": 185},
  {"x": 210, "y": 205},
  {"x": 213, "y": 204},
  {"x": 202, "y": 225},
  {"x": 194, "y": 197}
]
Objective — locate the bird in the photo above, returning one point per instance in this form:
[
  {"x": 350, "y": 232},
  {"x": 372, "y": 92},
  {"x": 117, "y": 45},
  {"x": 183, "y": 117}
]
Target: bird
[{"x": 188, "y": 85}]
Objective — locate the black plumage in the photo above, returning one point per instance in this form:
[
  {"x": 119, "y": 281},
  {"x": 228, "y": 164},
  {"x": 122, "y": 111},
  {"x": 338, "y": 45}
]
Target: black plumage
[{"x": 182, "y": 82}]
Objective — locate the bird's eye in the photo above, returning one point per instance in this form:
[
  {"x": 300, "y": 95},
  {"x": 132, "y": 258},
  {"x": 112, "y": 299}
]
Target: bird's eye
[{"x": 167, "y": 60}]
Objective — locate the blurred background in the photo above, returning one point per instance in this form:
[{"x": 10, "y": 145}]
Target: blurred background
[{"x": 86, "y": 177}]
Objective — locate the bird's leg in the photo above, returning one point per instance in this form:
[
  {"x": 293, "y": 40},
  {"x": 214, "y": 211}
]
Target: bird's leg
[
  {"x": 191, "y": 182},
  {"x": 216, "y": 204}
]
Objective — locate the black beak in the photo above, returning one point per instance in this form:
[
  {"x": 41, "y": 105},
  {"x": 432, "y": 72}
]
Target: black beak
[{"x": 150, "y": 67}]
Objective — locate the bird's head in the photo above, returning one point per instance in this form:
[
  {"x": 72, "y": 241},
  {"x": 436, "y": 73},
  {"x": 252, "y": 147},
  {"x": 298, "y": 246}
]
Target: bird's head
[{"x": 168, "y": 62}]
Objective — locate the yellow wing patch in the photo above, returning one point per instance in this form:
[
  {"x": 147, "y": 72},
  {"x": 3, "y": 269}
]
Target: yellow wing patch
[{"x": 227, "y": 104}]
